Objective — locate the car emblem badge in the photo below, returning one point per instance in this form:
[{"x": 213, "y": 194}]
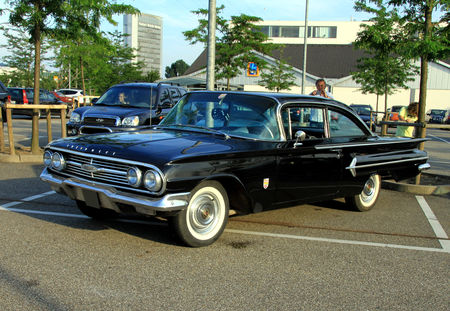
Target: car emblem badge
[
  {"x": 89, "y": 168},
  {"x": 99, "y": 120},
  {"x": 266, "y": 183}
]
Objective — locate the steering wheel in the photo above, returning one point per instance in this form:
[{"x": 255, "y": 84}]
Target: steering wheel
[{"x": 267, "y": 128}]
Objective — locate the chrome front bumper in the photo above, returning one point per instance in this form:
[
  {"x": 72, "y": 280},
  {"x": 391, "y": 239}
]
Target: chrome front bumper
[{"x": 101, "y": 196}]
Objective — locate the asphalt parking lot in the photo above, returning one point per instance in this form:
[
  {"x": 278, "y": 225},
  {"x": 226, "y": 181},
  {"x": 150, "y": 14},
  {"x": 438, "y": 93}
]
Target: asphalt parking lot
[{"x": 311, "y": 257}]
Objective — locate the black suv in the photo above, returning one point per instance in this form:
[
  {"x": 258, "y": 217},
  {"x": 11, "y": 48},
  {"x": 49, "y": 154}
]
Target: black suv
[{"x": 125, "y": 107}]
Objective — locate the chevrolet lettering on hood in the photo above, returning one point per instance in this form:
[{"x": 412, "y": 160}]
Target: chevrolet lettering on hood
[{"x": 217, "y": 153}]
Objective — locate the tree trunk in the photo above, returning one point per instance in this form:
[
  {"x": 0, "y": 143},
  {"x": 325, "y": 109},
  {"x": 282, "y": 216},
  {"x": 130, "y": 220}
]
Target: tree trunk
[
  {"x": 37, "y": 66},
  {"x": 82, "y": 75},
  {"x": 422, "y": 131},
  {"x": 384, "y": 127}
]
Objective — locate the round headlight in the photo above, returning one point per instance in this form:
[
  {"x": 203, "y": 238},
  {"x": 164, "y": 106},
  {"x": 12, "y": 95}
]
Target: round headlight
[
  {"x": 47, "y": 158},
  {"x": 58, "y": 161},
  {"x": 134, "y": 176},
  {"x": 152, "y": 181}
]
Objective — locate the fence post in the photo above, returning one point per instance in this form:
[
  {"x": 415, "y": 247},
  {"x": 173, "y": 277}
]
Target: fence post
[
  {"x": 2, "y": 136},
  {"x": 12, "y": 148},
  {"x": 49, "y": 125},
  {"x": 63, "y": 122}
]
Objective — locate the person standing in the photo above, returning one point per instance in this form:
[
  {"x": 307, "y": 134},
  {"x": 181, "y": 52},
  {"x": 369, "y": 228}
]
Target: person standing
[
  {"x": 321, "y": 89},
  {"x": 407, "y": 114}
]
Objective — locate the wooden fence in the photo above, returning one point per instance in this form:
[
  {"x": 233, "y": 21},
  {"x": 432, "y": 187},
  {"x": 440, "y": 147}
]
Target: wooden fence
[{"x": 9, "y": 121}]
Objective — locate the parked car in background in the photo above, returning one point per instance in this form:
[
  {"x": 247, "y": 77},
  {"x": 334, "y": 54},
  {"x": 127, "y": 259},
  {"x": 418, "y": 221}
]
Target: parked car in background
[
  {"x": 439, "y": 116},
  {"x": 125, "y": 107},
  {"x": 220, "y": 151},
  {"x": 366, "y": 113},
  {"x": 62, "y": 97},
  {"x": 393, "y": 112},
  {"x": 24, "y": 96},
  {"x": 71, "y": 92},
  {"x": 3, "y": 97}
]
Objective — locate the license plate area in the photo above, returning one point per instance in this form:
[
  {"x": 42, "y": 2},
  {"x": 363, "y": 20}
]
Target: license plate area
[{"x": 91, "y": 198}]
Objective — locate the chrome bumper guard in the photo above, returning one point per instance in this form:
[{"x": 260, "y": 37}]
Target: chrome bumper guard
[{"x": 110, "y": 198}]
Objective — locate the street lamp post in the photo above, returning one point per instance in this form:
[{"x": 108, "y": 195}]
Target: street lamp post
[
  {"x": 305, "y": 47},
  {"x": 211, "y": 45}
]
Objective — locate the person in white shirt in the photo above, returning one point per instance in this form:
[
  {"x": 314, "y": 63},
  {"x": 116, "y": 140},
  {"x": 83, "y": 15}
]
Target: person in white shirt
[{"x": 321, "y": 90}]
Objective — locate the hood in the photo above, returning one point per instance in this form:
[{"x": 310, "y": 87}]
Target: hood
[
  {"x": 112, "y": 111},
  {"x": 159, "y": 146}
]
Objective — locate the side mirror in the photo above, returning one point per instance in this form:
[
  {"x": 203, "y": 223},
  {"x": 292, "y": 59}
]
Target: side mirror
[
  {"x": 299, "y": 136},
  {"x": 94, "y": 100}
]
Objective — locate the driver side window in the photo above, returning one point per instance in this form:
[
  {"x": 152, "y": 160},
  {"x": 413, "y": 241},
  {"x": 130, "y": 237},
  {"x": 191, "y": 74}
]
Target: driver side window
[{"x": 307, "y": 119}]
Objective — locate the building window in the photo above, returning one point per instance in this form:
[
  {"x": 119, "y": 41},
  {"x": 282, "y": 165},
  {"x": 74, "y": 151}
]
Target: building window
[
  {"x": 298, "y": 31},
  {"x": 322, "y": 32},
  {"x": 290, "y": 32}
]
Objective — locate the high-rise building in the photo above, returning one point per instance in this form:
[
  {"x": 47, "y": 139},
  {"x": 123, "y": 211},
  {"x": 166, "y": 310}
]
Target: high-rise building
[{"x": 145, "y": 33}]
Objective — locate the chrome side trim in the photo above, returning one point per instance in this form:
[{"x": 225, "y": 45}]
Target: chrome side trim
[
  {"x": 353, "y": 167},
  {"x": 109, "y": 197},
  {"x": 365, "y": 144}
]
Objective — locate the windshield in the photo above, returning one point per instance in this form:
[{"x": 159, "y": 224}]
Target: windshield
[
  {"x": 361, "y": 109},
  {"x": 438, "y": 112},
  {"x": 137, "y": 97},
  {"x": 396, "y": 108},
  {"x": 232, "y": 114}
]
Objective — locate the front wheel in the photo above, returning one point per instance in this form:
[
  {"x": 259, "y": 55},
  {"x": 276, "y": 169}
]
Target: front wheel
[
  {"x": 368, "y": 197},
  {"x": 206, "y": 216}
]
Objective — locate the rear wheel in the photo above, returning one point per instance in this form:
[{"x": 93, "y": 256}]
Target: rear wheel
[
  {"x": 206, "y": 216},
  {"x": 368, "y": 197},
  {"x": 93, "y": 212}
]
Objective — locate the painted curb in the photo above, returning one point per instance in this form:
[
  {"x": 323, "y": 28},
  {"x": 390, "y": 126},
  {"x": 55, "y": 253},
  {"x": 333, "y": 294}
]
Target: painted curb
[{"x": 416, "y": 189}]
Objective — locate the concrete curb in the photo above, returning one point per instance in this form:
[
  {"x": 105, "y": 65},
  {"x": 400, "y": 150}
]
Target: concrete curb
[
  {"x": 416, "y": 189},
  {"x": 21, "y": 158}
]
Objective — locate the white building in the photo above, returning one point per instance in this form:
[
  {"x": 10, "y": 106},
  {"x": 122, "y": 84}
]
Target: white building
[
  {"x": 145, "y": 34},
  {"x": 319, "y": 32},
  {"x": 330, "y": 56}
]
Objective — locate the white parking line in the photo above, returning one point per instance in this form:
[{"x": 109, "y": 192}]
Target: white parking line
[
  {"x": 338, "y": 241},
  {"x": 434, "y": 222},
  {"x": 439, "y": 138},
  {"x": 439, "y": 231}
]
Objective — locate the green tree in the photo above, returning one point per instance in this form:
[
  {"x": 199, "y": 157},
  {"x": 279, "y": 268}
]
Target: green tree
[
  {"x": 51, "y": 18},
  {"x": 236, "y": 42},
  {"x": 151, "y": 76},
  {"x": 278, "y": 77},
  {"x": 177, "y": 69},
  {"x": 426, "y": 40},
  {"x": 383, "y": 70}
]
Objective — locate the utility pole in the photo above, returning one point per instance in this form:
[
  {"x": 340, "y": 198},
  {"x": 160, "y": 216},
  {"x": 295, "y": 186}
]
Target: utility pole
[
  {"x": 211, "y": 45},
  {"x": 305, "y": 47}
]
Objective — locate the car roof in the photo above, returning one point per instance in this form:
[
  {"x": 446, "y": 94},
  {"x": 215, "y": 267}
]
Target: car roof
[
  {"x": 283, "y": 98},
  {"x": 147, "y": 84}
]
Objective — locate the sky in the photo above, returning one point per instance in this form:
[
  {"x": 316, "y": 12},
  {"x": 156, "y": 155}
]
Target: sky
[{"x": 177, "y": 17}]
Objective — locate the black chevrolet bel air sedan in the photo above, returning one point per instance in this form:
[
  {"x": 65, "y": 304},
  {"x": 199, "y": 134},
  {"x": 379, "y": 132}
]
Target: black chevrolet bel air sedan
[{"x": 217, "y": 152}]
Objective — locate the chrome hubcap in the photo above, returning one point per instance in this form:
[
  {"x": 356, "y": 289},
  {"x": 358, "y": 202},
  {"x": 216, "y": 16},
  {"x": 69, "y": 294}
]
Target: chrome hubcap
[
  {"x": 203, "y": 213},
  {"x": 369, "y": 190}
]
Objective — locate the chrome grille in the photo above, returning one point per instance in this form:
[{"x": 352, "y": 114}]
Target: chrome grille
[
  {"x": 100, "y": 121},
  {"x": 106, "y": 171}
]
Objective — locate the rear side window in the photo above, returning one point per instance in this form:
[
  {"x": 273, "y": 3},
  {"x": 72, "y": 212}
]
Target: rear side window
[
  {"x": 175, "y": 95},
  {"x": 342, "y": 126}
]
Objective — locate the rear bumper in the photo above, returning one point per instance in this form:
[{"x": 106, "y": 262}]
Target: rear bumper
[{"x": 102, "y": 196}]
